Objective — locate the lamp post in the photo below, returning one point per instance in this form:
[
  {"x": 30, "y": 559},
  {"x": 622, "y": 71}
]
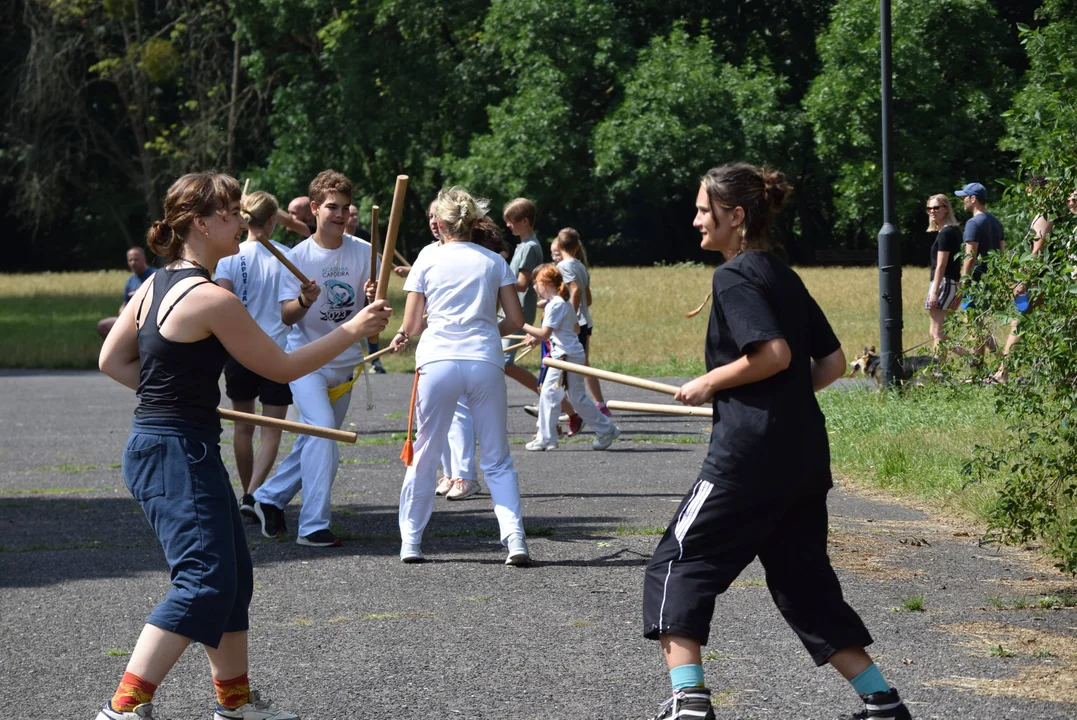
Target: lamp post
[{"x": 890, "y": 322}]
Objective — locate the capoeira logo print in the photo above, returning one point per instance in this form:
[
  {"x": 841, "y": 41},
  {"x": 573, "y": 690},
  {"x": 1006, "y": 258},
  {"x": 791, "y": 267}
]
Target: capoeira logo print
[{"x": 339, "y": 301}]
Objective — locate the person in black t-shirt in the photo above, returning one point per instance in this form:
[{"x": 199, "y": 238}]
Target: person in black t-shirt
[
  {"x": 944, "y": 293},
  {"x": 763, "y": 486}
]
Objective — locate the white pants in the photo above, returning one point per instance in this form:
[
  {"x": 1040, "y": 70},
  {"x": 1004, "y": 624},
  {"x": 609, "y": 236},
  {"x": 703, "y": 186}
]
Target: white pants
[
  {"x": 441, "y": 384},
  {"x": 312, "y": 464},
  {"x": 550, "y": 402},
  {"x": 458, "y": 459}
]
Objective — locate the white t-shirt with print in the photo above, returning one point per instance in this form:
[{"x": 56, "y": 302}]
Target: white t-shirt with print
[
  {"x": 559, "y": 315},
  {"x": 341, "y": 275},
  {"x": 461, "y": 281},
  {"x": 255, "y": 277},
  {"x": 572, "y": 270}
]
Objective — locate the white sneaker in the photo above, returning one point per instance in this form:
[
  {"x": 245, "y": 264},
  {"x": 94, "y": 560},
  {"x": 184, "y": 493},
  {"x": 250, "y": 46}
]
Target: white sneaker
[
  {"x": 518, "y": 554},
  {"x": 256, "y": 709},
  {"x": 539, "y": 445},
  {"x": 444, "y": 485},
  {"x": 411, "y": 553},
  {"x": 141, "y": 712},
  {"x": 602, "y": 442},
  {"x": 462, "y": 489}
]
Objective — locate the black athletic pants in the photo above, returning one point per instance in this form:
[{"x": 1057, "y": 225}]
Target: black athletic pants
[{"x": 717, "y": 531}]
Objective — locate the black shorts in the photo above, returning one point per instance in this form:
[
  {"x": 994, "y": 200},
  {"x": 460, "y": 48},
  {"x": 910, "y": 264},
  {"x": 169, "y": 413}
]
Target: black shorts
[
  {"x": 584, "y": 335},
  {"x": 241, "y": 384}
]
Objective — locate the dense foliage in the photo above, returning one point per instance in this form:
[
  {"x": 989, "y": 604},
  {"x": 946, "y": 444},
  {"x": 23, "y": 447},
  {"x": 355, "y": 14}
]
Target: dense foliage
[{"x": 603, "y": 112}]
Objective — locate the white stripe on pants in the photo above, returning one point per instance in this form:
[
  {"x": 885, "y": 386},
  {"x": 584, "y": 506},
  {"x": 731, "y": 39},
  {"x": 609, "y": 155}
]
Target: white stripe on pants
[
  {"x": 312, "y": 464},
  {"x": 441, "y": 384},
  {"x": 458, "y": 460},
  {"x": 550, "y": 402}
]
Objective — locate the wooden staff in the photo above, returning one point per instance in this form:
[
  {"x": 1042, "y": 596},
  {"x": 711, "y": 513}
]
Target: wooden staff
[
  {"x": 401, "y": 258},
  {"x": 528, "y": 349},
  {"x": 659, "y": 408},
  {"x": 374, "y": 244},
  {"x": 390, "y": 235},
  {"x": 611, "y": 376},
  {"x": 517, "y": 346},
  {"x": 301, "y": 428},
  {"x": 246, "y": 187},
  {"x": 268, "y": 244}
]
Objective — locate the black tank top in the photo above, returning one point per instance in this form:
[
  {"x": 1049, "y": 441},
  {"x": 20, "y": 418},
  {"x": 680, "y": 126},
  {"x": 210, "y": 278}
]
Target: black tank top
[{"x": 177, "y": 380}]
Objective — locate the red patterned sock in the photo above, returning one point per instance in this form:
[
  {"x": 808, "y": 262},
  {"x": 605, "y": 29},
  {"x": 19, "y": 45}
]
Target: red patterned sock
[
  {"x": 233, "y": 693},
  {"x": 132, "y": 692}
]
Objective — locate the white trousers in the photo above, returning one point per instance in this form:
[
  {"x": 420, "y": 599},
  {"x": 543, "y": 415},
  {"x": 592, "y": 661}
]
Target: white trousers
[
  {"x": 441, "y": 384},
  {"x": 552, "y": 393},
  {"x": 312, "y": 464},
  {"x": 458, "y": 459}
]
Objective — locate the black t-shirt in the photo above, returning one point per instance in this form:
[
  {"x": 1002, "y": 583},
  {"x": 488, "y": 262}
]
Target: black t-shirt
[
  {"x": 947, "y": 240},
  {"x": 768, "y": 435}
]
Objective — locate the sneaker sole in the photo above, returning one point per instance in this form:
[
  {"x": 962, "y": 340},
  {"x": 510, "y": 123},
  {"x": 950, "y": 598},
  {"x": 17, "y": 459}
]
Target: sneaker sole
[
  {"x": 461, "y": 496},
  {"x": 531, "y": 412},
  {"x": 412, "y": 559},
  {"x": 311, "y": 543},
  {"x": 521, "y": 560},
  {"x": 262, "y": 521}
]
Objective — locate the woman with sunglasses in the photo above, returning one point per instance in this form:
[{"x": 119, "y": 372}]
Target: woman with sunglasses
[{"x": 943, "y": 295}]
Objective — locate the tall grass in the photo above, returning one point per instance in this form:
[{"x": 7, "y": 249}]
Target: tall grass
[{"x": 48, "y": 320}]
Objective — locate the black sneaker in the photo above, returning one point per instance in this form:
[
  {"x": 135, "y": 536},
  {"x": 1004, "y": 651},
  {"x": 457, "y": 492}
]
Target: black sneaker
[
  {"x": 272, "y": 519},
  {"x": 378, "y": 369},
  {"x": 319, "y": 538},
  {"x": 881, "y": 706},
  {"x": 246, "y": 508},
  {"x": 687, "y": 704}
]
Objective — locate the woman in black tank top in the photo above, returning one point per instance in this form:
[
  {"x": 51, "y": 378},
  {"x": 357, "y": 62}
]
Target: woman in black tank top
[{"x": 170, "y": 344}]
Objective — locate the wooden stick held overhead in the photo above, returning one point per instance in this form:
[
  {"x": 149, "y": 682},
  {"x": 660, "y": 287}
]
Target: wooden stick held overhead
[
  {"x": 390, "y": 235},
  {"x": 659, "y": 408},
  {"x": 300, "y": 428},
  {"x": 631, "y": 380},
  {"x": 268, "y": 244}
]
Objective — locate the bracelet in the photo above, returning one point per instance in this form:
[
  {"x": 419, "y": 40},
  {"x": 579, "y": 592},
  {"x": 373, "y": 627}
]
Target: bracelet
[
  {"x": 406, "y": 336},
  {"x": 300, "y": 301}
]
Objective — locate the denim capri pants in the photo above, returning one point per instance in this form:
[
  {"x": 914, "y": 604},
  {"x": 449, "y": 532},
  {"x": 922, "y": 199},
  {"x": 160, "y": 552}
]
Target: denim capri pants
[{"x": 174, "y": 470}]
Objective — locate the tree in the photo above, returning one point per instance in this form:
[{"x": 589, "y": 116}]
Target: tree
[{"x": 950, "y": 89}]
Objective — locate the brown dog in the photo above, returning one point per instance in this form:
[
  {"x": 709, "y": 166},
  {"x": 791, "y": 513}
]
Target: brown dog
[{"x": 870, "y": 364}]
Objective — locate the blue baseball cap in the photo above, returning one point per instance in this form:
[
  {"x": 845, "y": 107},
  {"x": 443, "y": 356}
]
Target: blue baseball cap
[{"x": 973, "y": 189}]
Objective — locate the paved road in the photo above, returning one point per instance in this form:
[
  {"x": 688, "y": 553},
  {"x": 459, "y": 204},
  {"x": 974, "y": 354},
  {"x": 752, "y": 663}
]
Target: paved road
[{"x": 352, "y": 633}]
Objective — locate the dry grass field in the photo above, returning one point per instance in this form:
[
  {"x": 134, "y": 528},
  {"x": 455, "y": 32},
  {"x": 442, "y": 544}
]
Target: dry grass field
[{"x": 48, "y": 320}]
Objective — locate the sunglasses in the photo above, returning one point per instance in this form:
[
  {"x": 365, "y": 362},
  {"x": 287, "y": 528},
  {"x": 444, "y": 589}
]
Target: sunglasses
[{"x": 933, "y": 208}]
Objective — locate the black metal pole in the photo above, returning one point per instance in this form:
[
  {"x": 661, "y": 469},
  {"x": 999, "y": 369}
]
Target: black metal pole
[{"x": 889, "y": 240}]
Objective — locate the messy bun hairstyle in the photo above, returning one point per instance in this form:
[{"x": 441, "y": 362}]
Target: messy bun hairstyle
[
  {"x": 486, "y": 233},
  {"x": 459, "y": 212},
  {"x": 550, "y": 275},
  {"x": 258, "y": 207},
  {"x": 758, "y": 191},
  {"x": 193, "y": 195}
]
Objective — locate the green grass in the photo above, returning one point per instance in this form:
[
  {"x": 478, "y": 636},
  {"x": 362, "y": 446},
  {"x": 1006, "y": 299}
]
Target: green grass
[
  {"x": 912, "y": 603},
  {"x": 116, "y": 652},
  {"x": 999, "y": 651}
]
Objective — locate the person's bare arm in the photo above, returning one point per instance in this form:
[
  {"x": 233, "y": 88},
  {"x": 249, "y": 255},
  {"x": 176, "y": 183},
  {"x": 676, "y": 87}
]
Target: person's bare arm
[
  {"x": 762, "y": 360},
  {"x": 827, "y": 370},
  {"x": 414, "y": 321},
  {"x": 970, "y": 259},
  {"x": 292, "y": 311},
  {"x": 523, "y": 281},
  {"x": 1042, "y": 227},
  {"x": 574, "y": 295},
  {"x": 119, "y": 353},
  {"x": 941, "y": 258},
  {"x": 514, "y": 313},
  {"x": 230, "y": 322},
  {"x": 291, "y": 224},
  {"x": 541, "y": 333}
]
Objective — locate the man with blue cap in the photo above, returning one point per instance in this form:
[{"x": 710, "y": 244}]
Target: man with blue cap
[{"x": 983, "y": 234}]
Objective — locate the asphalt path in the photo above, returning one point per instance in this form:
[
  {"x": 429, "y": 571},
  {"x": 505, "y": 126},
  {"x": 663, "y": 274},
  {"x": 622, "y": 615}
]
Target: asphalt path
[{"x": 352, "y": 633}]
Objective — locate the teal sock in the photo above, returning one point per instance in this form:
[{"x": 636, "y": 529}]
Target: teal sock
[
  {"x": 870, "y": 681},
  {"x": 686, "y": 676}
]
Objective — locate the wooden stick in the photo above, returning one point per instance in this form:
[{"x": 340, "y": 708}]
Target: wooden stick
[
  {"x": 375, "y": 356},
  {"x": 659, "y": 408},
  {"x": 514, "y": 337},
  {"x": 612, "y": 376},
  {"x": 246, "y": 187},
  {"x": 517, "y": 346},
  {"x": 268, "y": 244},
  {"x": 522, "y": 355},
  {"x": 401, "y": 258},
  {"x": 374, "y": 244},
  {"x": 301, "y": 428},
  {"x": 390, "y": 235}
]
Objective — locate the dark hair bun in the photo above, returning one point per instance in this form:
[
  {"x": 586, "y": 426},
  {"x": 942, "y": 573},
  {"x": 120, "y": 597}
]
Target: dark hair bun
[
  {"x": 161, "y": 238},
  {"x": 777, "y": 188}
]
